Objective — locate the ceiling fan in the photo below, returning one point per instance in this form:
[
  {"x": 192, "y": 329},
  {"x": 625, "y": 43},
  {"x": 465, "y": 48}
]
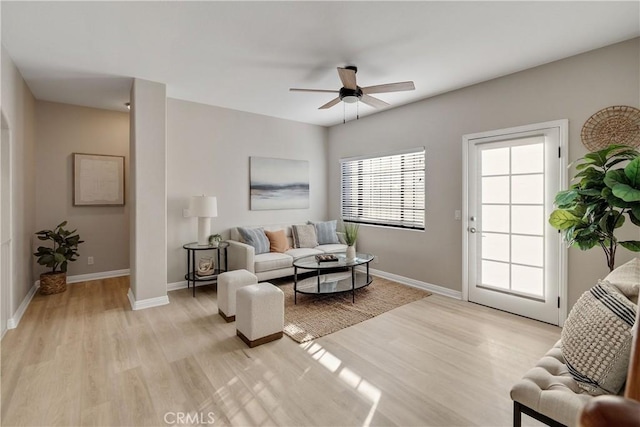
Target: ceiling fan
[{"x": 351, "y": 92}]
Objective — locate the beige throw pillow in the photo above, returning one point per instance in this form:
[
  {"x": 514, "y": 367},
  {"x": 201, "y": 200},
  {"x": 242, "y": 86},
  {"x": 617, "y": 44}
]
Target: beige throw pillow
[
  {"x": 596, "y": 339},
  {"x": 304, "y": 236}
]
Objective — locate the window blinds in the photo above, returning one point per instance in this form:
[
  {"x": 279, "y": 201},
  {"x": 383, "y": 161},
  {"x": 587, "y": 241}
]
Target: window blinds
[{"x": 386, "y": 190}]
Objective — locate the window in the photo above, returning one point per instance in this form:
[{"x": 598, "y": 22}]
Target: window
[{"x": 384, "y": 190}]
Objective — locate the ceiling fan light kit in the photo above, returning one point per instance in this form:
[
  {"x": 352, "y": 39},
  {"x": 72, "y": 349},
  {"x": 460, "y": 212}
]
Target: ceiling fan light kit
[{"x": 352, "y": 93}]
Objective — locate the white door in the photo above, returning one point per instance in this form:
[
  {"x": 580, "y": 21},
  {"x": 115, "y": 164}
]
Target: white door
[{"x": 515, "y": 259}]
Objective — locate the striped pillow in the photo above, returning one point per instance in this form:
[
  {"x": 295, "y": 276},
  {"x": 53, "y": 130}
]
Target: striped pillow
[
  {"x": 596, "y": 339},
  {"x": 304, "y": 236},
  {"x": 256, "y": 238},
  {"x": 326, "y": 232}
]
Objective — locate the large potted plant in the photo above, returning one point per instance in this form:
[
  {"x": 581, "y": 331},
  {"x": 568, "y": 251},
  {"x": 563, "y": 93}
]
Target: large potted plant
[
  {"x": 606, "y": 192},
  {"x": 64, "y": 250}
]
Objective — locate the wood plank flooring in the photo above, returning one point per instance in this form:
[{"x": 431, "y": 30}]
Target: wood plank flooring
[{"x": 85, "y": 358}]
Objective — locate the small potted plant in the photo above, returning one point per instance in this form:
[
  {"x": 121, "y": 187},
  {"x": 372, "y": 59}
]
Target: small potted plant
[
  {"x": 64, "y": 250},
  {"x": 350, "y": 236},
  {"x": 214, "y": 240}
]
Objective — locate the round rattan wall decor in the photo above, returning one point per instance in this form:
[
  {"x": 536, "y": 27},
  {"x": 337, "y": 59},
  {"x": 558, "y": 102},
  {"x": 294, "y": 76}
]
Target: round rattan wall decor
[{"x": 619, "y": 124}]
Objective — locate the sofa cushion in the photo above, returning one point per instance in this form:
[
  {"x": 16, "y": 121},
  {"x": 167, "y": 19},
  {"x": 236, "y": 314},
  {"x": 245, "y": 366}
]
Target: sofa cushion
[
  {"x": 549, "y": 389},
  {"x": 332, "y": 249},
  {"x": 302, "y": 252},
  {"x": 271, "y": 261},
  {"x": 326, "y": 232},
  {"x": 304, "y": 236},
  {"x": 627, "y": 279},
  {"x": 277, "y": 241},
  {"x": 256, "y": 238},
  {"x": 596, "y": 339}
]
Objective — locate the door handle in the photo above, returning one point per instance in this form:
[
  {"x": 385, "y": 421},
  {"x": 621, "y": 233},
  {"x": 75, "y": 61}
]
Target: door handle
[{"x": 472, "y": 229}]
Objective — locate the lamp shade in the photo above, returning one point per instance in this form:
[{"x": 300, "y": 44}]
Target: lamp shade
[{"x": 204, "y": 206}]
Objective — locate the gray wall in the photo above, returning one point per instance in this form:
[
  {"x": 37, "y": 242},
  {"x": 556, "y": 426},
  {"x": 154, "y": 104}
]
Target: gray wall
[
  {"x": 208, "y": 153},
  {"x": 61, "y": 130},
  {"x": 573, "y": 88},
  {"x": 18, "y": 106}
]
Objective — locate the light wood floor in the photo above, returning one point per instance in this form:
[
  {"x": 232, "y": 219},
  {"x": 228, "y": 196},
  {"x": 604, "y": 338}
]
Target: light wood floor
[{"x": 85, "y": 358}]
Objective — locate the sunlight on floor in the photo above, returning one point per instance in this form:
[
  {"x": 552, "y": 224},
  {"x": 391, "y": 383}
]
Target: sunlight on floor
[{"x": 347, "y": 376}]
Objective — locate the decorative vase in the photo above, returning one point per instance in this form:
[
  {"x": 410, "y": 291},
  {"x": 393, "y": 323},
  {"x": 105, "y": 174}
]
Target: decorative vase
[
  {"x": 53, "y": 283},
  {"x": 351, "y": 252}
]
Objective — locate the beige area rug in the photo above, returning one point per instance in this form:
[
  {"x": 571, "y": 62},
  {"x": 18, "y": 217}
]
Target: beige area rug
[{"x": 317, "y": 315}]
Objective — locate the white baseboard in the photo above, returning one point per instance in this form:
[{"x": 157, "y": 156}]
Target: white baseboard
[
  {"x": 146, "y": 303},
  {"x": 13, "y": 321},
  {"x": 440, "y": 290},
  {"x": 97, "y": 276}
]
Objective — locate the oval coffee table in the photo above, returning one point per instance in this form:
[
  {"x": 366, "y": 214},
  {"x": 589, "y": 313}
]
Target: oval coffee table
[{"x": 332, "y": 277}]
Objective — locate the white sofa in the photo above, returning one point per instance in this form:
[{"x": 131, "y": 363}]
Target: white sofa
[{"x": 272, "y": 265}]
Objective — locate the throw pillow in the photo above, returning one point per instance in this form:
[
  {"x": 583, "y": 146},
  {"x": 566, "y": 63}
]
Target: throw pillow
[
  {"x": 256, "y": 238},
  {"x": 596, "y": 339},
  {"x": 627, "y": 279},
  {"x": 304, "y": 236},
  {"x": 326, "y": 232},
  {"x": 278, "y": 241}
]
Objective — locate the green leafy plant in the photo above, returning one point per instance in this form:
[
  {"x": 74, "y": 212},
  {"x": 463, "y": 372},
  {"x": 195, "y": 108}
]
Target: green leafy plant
[
  {"x": 594, "y": 207},
  {"x": 64, "y": 250},
  {"x": 351, "y": 230},
  {"x": 215, "y": 238}
]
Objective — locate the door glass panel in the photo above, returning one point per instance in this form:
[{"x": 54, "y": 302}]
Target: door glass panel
[
  {"x": 527, "y": 158},
  {"x": 527, "y": 250},
  {"x": 527, "y": 279},
  {"x": 527, "y": 189},
  {"x": 495, "y": 189},
  {"x": 495, "y": 274},
  {"x": 495, "y": 246},
  {"x": 495, "y": 218},
  {"x": 495, "y": 161},
  {"x": 512, "y": 222},
  {"x": 527, "y": 220}
]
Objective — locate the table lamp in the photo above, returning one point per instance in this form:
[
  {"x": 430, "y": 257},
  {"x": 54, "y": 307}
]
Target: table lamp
[{"x": 205, "y": 208}]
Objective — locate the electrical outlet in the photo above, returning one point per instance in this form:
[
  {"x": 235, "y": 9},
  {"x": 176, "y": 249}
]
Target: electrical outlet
[
  {"x": 376, "y": 259},
  {"x": 186, "y": 213},
  {"x": 89, "y": 260},
  {"x": 457, "y": 215}
]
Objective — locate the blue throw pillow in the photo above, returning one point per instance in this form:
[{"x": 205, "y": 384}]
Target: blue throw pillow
[
  {"x": 326, "y": 232},
  {"x": 256, "y": 238}
]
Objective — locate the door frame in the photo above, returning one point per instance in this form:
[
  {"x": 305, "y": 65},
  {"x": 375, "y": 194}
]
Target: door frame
[
  {"x": 6, "y": 306},
  {"x": 563, "y": 126}
]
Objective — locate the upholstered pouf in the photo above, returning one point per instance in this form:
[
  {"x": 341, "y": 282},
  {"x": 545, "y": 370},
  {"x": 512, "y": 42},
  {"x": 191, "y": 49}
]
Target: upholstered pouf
[
  {"x": 260, "y": 313},
  {"x": 228, "y": 284}
]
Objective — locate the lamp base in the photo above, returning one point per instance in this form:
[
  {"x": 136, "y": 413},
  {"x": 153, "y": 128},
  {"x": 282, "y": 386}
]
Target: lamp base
[{"x": 204, "y": 231}]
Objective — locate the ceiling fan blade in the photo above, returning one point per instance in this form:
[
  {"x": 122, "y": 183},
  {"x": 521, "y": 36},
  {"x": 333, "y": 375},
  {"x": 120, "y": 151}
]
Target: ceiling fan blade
[
  {"x": 313, "y": 90},
  {"x": 389, "y": 87},
  {"x": 348, "y": 78},
  {"x": 330, "y": 104},
  {"x": 373, "y": 102}
]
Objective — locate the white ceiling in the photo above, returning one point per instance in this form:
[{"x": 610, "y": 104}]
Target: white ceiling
[{"x": 246, "y": 55}]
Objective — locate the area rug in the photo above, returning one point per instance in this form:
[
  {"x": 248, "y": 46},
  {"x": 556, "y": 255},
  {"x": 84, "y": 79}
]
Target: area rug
[{"x": 317, "y": 315}]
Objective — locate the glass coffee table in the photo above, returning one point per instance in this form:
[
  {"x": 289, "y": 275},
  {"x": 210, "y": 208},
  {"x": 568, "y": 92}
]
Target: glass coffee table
[{"x": 332, "y": 277}]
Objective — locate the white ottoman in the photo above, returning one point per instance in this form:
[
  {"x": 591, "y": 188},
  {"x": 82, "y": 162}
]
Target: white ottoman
[
  {"x": 228, "y": 284},
  {"x": 260, "y": 315}
]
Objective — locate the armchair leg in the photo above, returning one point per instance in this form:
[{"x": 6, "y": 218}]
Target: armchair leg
[{"x": 517, "y": 415}]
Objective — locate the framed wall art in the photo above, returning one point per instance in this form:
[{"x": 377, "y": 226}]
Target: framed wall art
[
  {"x": 98, "y": 180},
  {"x": 279, "y": 184}
]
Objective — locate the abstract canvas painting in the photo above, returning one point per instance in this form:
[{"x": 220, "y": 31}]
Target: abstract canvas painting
[{"x": 279, "y": 184}]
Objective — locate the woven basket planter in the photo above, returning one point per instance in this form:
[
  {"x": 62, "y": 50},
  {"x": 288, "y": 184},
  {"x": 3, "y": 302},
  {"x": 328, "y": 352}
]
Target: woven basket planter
[{"x": 53, "y": 283}]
